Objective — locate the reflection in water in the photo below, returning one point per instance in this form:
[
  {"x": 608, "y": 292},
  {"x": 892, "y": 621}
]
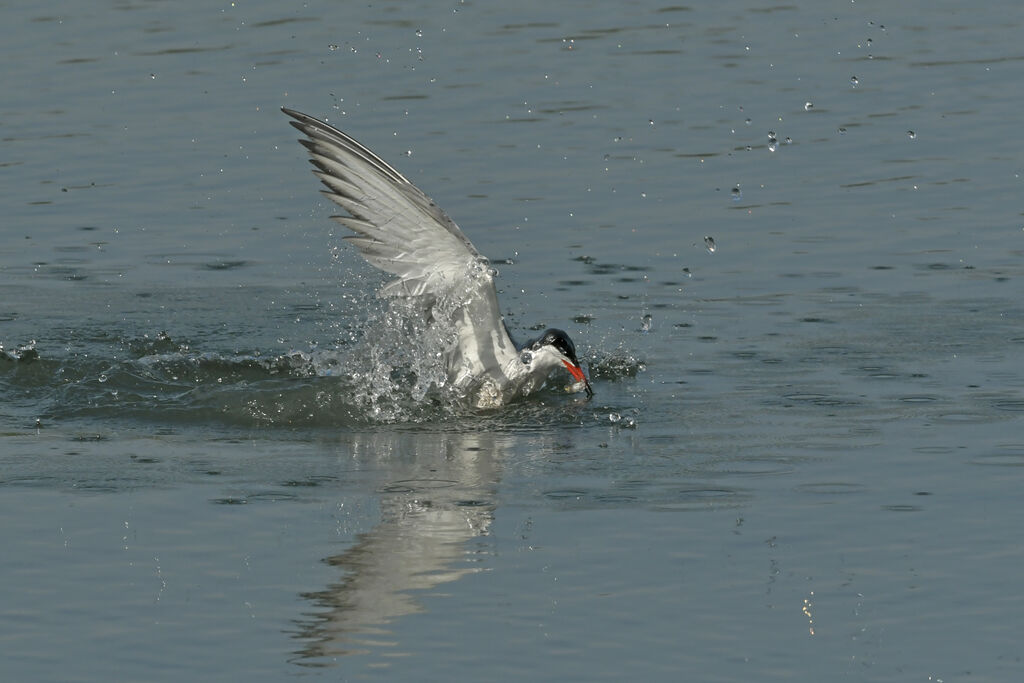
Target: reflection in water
[{"x": 438, "y": 493}]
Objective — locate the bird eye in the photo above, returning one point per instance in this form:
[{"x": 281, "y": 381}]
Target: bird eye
[{"x": 526, "y": 357}]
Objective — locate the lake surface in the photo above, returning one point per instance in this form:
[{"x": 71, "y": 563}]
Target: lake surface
[{"x": 788, "y": 241}]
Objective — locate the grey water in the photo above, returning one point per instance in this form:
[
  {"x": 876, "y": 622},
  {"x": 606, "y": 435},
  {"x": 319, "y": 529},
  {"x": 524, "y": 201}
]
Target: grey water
[{"x": 787, "y": 240}]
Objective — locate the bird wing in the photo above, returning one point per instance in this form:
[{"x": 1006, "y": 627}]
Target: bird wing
[
  {"x": 402, "y": 231},
  {"x": 397, "y": 227}
]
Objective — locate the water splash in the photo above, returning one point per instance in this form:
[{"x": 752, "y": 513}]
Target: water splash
[
  {"x": 614, "y": 365},
  {"x": 386, "y": 364},
  {"x": 401, "y": 365}
]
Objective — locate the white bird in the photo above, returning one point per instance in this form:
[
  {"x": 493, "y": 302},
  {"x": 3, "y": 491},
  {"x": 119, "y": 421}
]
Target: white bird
[{"x": 402, "y": 231}]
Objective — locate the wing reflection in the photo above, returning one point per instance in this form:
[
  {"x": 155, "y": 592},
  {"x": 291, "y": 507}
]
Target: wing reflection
[{"x": 439, "y": 493}]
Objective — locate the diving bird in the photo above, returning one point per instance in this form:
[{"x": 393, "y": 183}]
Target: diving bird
[{"x": 400, "y": 230}]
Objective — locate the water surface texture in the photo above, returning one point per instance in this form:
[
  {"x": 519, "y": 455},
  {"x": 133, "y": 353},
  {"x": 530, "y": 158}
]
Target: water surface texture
[{"x": 788, "y": 241}]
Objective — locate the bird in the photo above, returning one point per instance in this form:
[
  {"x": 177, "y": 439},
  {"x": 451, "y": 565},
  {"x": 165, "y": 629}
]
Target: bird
[{"x": 400, "y": 230}]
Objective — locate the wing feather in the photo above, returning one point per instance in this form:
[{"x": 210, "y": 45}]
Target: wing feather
[
  {"x": 402, "y": 231},
  {"x": 399, "y": 229}
]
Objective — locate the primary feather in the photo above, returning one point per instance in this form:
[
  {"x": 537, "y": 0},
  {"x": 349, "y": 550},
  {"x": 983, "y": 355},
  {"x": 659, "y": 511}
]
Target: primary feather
[{"x": 402, "y": 231}]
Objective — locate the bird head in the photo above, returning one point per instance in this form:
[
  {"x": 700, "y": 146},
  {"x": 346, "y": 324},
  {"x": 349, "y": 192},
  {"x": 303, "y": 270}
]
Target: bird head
[{"x": 553, "y": 349}]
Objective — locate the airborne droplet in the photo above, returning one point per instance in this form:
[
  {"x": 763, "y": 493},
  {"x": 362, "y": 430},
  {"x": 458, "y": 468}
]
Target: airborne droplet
[{"x": 709, "y": 242}]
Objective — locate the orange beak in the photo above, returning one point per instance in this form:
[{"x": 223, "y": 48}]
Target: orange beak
[
  {"x": 577, "y": 374},
  {"x": 575, "y": 371}
]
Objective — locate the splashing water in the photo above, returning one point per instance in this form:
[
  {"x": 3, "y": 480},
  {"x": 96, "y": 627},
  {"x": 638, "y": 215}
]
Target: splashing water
[
  {"x": 386, "y": 363},
  {"x": 402, "y": 363}
]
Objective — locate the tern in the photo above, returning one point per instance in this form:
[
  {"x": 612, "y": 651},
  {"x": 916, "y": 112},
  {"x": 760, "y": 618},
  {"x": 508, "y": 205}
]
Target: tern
[{"x": 400, "y": 230}]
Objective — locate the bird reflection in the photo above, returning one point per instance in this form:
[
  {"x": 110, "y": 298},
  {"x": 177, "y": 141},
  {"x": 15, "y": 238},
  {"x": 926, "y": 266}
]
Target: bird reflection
[{"x": 438, "y": 494}]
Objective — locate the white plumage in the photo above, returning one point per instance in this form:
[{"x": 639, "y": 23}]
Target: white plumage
[{"x": 400, "y": 230}]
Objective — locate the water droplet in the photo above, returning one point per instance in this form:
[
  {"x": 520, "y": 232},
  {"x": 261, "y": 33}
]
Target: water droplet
[
  {"x": 841, "y": 131},
  {"x": 808, "y": 106},
  {"x": 736, "y": 193},
  {"x": 854, "y": 81},
  {"x": 332, "y": 47},
  {"x": 419, "y": 33},
  {"x": 709, "y": 242},
  {"x": 912, "y": 135},
  {"x": 788, "y": 140},
  {"x": 747, "y": 122},
  {"x": 614, "y": 417},
  {"x": 102, "y": 377},
  {"x": 648, "y": 321}
]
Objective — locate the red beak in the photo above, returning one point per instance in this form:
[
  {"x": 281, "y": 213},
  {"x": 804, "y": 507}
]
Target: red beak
[
  {"x": 575, "y": 371},
  {"x": 577, "y": 374}
]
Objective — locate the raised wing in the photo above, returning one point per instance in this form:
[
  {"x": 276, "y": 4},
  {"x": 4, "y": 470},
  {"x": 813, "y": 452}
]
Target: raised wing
[
  {"x": 402, "y": 231},
  {"x": 398, "y": 228}
]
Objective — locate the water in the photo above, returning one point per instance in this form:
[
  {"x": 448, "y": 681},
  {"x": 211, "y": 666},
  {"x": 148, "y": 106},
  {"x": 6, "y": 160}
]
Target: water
[{"x": 804, "y": 454}]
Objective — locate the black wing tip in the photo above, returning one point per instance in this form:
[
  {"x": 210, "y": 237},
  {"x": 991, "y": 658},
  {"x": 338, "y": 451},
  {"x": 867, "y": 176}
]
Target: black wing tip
[
  {"x": 307, "y": 124},
  {"x": 300, "y": 120},
  {"x": 304, "y": 123}
]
